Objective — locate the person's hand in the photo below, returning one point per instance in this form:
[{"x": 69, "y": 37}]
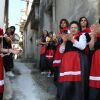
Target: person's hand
[
  {"x": 14, "y": 51},
  {"x": 92, "y": 27},
  {"x": 46, "y": 43},
  {"x": 92, "y": 35},
  {"x": 70, "y": 37},
  {"x": 58, "y": 35},
  {"x": 38, "y": 42},
  {"x": 95, "y": 28},
  {"x": 64, "y": 37},
  {"x": 2, "y": 55}
]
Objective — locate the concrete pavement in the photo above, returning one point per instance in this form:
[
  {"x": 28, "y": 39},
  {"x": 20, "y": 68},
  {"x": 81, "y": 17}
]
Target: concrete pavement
[{"x": 29, "y": 84}]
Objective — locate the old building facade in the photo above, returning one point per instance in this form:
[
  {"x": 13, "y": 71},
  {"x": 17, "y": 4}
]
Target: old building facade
[{"x": 4, "y": 13}]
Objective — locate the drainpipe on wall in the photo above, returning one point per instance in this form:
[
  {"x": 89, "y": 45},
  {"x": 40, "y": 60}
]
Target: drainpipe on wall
[
  {"x": 6, "y": 12},
  {"x": 54, "y": 15}
]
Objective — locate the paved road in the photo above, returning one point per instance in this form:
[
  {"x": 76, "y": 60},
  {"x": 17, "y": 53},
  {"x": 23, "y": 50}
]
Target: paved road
[{"x": 27, "y": 86}]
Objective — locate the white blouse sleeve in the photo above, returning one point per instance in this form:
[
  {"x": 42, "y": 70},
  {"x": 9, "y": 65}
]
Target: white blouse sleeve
[
  {"x": 62, "y": 48},
  {"x": 46, "y": 39},
  {"x": 81, "y": 44}
]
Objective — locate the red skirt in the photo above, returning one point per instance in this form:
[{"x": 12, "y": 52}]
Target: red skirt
[
  {"x": 70, "y": 67},
  {"x": 49, "y": 54},
  {"x": 42, "y": 49},
  {"x": 57, "y": 58},
  {"x": 1, "y": 76},
  {"x": 94, "y": 79}
]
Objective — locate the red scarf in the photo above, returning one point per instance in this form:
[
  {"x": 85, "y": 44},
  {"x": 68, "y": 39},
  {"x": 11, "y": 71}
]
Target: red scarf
[
  {"x": 76, "y": 35},
  {"x": 87, "y": 30},
  {"x": 63, "y": 29}
]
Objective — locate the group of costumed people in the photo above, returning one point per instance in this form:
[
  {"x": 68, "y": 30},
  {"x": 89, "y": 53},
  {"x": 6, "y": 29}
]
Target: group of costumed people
[
  {"x": 3, "y": 53},
  {"x": 72, "y": 55}
]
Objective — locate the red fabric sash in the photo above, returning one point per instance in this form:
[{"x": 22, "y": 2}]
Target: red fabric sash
[
  {"x": 50, "y": 54},
  {"x": 76, "y": 35},
  {"x": 87, "y": 30},
  {"x": 63, "y": 29}
]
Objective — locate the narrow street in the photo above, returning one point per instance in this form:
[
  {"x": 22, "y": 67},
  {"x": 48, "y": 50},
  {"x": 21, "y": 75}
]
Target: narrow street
[
  {"x": 28, "y": 84},
  {"x": 61, "y": 37}
]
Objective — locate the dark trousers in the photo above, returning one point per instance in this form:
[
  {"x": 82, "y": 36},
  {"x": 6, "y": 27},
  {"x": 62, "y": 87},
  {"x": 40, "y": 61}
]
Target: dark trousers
[
  {"x": 50, "y": 65},
  {"x": 43, "y": 63},
  {"x": 8, "y": 62},
  {"x": 69, "y": 91},
  {"x": 85, "y": 68},
  {"x": 94, "y": 94},
  {"x": 56, "y": 75},
  {"x": 1, "y": 96}
]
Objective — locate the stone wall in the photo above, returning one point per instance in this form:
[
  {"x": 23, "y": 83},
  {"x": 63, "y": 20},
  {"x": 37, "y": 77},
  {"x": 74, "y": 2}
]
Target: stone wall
[
  {"x": 2, "y": 8},
  {"x": 45, "y": 21},
  {"x": 29, "y": 42},
  {"x": 74, "y": 9},
  {"x": 31, "y": 50}
]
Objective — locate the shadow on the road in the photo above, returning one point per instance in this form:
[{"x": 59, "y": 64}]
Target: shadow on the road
[{"x": 46, "y": 83}]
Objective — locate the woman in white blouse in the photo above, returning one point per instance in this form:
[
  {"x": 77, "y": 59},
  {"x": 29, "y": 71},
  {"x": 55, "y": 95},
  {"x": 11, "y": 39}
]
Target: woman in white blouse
[{"x": 72, "y": 72}]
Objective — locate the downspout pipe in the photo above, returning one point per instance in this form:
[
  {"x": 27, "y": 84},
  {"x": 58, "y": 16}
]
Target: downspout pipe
[{"x": 54, "y": 15}]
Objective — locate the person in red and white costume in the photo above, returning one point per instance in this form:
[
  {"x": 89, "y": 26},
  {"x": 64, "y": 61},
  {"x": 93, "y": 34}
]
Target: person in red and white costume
[
  {"x": 50, "y": 51},
  {"x": 85, "y": 28},
  {"x": 43, "y": 45},
  {"x": 94, "y": 78},
  {"x": 63, "y": 27},
  {"x": 2, "y": 50},
  {"x": 71, "y": 75}
]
